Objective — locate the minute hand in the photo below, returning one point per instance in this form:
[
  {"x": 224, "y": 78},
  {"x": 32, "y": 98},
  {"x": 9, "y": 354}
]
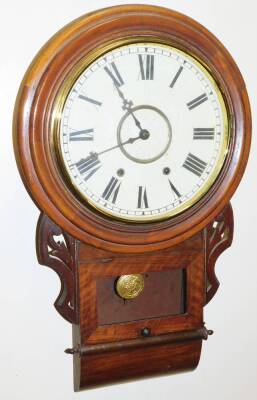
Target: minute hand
[
  {"x": 93, "y": 156},
  {"x": 129, "y": 141}
]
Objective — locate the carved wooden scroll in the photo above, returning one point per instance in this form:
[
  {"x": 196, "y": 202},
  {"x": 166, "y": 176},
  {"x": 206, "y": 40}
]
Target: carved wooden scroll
[
  {"x": 57, "y": 250},
  {"x": 218, "y": 237}
]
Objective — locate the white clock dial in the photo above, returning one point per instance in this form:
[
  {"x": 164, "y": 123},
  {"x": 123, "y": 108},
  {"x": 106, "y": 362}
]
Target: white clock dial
[{"x": 143, "y": 132}]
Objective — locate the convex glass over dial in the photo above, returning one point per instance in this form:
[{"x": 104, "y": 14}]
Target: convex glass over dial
[{"x": 143, "y": 131}]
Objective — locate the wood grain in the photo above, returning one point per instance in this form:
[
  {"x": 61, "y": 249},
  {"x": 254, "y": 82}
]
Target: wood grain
[
  {"x": 57, "y": 250},
  {"x": 84, "y": 247},
  {"x": 32, "y": 125},
  {"x": 218, "y": 237},
  {"x": 163, "y": 295},
  {"x": 81, "y": 266},
  {"x": 95, "y": 265},
  {"x": 138, "y": 363}
]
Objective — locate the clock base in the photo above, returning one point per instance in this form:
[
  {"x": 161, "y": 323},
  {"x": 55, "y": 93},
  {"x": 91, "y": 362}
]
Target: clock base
[
  {"x": 133, "y": 359},
  {"x": 159, "y": 331}
]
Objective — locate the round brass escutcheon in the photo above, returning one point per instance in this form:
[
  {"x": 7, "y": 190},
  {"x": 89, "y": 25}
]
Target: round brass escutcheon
[{"x": 130, "y": 286}]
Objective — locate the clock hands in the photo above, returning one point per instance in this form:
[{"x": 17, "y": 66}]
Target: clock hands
[
  {"x": 143, "y": 133},
  {"x": 94, "y": 155},
  {"x": 130, "y": 140},
  {"x": 127, "y": 105}
]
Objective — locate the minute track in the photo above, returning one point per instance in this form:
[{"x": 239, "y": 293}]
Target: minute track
[{"x": 142, "y": 140}]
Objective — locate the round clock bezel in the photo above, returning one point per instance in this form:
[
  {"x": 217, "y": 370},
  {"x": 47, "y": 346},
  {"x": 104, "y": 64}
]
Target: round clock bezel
[
  {"x": 33, "y": 125},
  {"x": 57, "y": 116}
]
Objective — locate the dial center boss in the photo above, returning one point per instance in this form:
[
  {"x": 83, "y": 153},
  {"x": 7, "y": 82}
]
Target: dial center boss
[{"x": 154, "y": 137}]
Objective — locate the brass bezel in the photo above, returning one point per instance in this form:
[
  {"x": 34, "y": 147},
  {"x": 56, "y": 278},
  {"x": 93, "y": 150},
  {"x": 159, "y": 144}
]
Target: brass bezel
[{"x": 64, "y": 91}]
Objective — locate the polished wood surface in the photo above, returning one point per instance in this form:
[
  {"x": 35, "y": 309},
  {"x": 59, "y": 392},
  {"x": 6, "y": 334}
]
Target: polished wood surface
[
  {"x": 169, "y": 338},
  {"x": 87, "y": 249},
  {"x": 33, "y": 126},
  {"x": 163, "y": 295},
  {"x": 123, "y": 364},
  {"x": 218, "y": 237},
  {"x": 174, "y": 340},
  {"x": 91, "y": 270},
  {"x": 57, "y": 250},
  {"x": 61, "y": 252},
  {"x": 138, "y": 363}
]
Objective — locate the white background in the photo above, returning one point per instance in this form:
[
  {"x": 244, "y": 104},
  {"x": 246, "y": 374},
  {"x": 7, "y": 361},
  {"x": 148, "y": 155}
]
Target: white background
[{"x": 32, "y": 335}]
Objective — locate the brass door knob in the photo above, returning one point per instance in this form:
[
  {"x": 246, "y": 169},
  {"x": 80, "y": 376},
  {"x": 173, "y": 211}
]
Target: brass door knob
[{"x": 130, "y": 286}]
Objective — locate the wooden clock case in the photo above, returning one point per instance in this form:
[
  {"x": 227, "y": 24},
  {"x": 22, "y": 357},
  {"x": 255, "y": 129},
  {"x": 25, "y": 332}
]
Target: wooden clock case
[{"x": 162, "y": 330}]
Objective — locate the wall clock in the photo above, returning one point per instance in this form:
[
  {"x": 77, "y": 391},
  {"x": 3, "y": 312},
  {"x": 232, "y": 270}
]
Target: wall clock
[{"x": 131, "y": 132}]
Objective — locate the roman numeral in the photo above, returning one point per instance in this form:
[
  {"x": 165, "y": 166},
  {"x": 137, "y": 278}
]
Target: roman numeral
[
  {"x": 174, "y": 80},
  {"x": 197, "y": 101},
  {"x": 114, "y": 74},
  {"x": 194, "y": 164},
  {"x": 174, "y": 189},
  {"x": 146, "y": 66},
  {"x": 86, "y": 134},
  {"x": 89, "y": 100},
  {"x": 112, "y": 189},
  {"x": 204, "y": 133},
  {"x": 88, "y": 166},
  {"x": 142, "y": 201}
]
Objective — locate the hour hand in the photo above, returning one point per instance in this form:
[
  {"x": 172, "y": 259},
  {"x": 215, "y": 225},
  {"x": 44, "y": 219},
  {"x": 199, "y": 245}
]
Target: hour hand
[
  {"x": 136, "y": 121},
  {"x": 117, "y": 80},
  {"x": 127, "y": 104}
]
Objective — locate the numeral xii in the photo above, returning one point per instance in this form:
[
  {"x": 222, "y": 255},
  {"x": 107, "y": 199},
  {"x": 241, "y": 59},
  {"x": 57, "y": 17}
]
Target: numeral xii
[{"x": 146, "y": 66}]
